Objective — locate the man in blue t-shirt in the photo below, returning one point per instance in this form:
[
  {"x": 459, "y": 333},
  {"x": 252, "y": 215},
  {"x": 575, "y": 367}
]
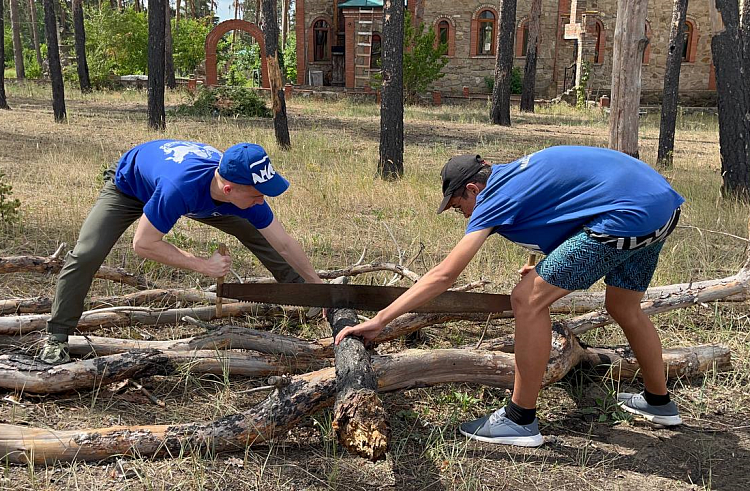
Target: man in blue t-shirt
[
  {"x": 595, "y": 213},
  {"x": 158, "y": 182}
]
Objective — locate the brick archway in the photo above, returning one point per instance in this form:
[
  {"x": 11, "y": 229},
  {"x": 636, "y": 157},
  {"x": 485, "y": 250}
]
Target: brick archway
[{"x": 213, "y": 39}]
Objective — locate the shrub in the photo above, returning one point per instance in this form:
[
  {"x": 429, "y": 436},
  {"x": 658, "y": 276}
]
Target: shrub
[
  {"x": 226, "y": 101},
  {"x": 516, "y": 81},
  {"x": 290, "y": 58},
  {"x": 8, "y": 206}
]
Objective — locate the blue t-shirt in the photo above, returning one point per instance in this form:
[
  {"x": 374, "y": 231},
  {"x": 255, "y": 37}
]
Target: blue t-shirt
[
  {"x": 173, "y": 179},
  {"x": 542, "y": 199}
]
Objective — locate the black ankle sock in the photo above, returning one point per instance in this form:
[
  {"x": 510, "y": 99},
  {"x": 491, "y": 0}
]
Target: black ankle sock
[
  {"x": 519, "y": 415},
  {"x": 656, "y": 400}
]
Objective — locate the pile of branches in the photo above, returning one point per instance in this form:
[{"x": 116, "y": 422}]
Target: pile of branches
[{"x": 303, "y": 376}]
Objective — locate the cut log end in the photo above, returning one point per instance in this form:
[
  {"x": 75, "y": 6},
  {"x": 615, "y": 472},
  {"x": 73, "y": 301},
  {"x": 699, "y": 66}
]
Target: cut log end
[{"x": 361, "y": 424}]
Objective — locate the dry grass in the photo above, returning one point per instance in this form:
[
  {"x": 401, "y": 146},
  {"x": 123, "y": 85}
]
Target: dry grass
[{"x": 337, "y": 208}]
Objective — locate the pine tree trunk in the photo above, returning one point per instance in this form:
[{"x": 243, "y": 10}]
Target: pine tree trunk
[
  {"x": 35, "y": 33},
  {"x": 629, "y": 44},
  {"x": 156, "y": 24},
  {"x": 672, "y": 84},
  {"x": 733, "y": 102},
  {"x": 745, "y": 35},
  {"x": 169, "y": 47},
  {"x": 271, "y": 37},
  {"x": 506, "y": 29},
  {"x": 80, "y": 38},
  {"x": 15, "y": 24},
  {"x": 529, "y": 70},
  {"x": 3, "y": 98},
  {"x": 391, "y": 164},
  {"x": 285, "y": 24},
  {"x": 53, "y": 58}
]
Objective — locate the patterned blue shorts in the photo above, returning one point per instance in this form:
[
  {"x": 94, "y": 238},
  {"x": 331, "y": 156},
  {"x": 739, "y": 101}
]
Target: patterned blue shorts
[{"x": 580, "y": 261}]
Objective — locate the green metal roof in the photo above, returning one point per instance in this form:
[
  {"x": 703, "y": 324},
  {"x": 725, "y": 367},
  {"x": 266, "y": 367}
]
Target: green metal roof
[{"x": 362, "y": 3}]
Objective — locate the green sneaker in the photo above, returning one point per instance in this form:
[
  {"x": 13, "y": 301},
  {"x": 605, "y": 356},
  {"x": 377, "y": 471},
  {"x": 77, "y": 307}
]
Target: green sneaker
[{"x": 55, "y": 352}]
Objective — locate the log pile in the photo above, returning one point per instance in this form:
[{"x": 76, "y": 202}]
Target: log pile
[{"x": 349, "y": 377}]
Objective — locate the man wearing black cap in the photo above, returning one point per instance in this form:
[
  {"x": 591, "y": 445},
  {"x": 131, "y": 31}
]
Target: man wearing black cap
[
  {"x": 158, "y": 182},
  {"x": 595, "y": 213}
]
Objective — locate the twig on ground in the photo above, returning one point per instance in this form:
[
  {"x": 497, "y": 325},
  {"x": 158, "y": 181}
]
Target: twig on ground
[
  {"x": 147, "y": 393},
  {"x": 701, "y": 230}
]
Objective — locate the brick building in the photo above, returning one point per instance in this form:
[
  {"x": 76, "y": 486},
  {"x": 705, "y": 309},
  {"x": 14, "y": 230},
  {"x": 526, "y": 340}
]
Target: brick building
[{"x": 338, "y": 43}]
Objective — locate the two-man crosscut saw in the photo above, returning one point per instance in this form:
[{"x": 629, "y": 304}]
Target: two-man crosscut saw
[{"x": 359, "y": 297}]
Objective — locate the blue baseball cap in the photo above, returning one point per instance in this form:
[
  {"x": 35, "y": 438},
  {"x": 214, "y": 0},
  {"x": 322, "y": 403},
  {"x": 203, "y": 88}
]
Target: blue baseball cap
[{"x": 248, "y": 163}]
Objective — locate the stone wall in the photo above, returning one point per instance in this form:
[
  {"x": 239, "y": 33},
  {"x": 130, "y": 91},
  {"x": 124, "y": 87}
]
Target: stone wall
[{"x": 465, "y": 69}]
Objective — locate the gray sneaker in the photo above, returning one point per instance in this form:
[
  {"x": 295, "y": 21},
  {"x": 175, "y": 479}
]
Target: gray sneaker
[
  {"x": 496, "y": 428},
  {"x": 55, "y": 352},
  {"x": 666, "y": 415}
]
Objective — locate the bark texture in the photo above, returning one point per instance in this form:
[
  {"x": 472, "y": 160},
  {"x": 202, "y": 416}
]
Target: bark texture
[
  {"x": 529, "y": 70},
  {"x": 629, "y": 44},
  {"x": 156, "y": 116},
  {"x": 271, "y": 38},
  {"x": 15, "y": 25},
  {"x": 3, "y": 98},
  {"x": 171, "y": 82},
  {"x": 53, "y": 58},
  {"x": 733, "y": 102},
  {"x": 53, "y": 264},
  {"x": 359, "y": 419},
  {"x": 672, "y": 84},
  {"x": 506, "y": 30},
  {"x": 80, "y": 39},
  {"x": 391, "y": 163}
]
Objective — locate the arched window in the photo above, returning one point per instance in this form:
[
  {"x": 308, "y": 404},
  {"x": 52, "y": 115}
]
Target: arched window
[
  {"x": 486, "y": 32},
  {"x": 443, "y": 32},
  {"x": 321, "y": 49},
  {"x": 647, "y": 51},
  {"x": 376, "y": 51},
  {"x": 599, "y": 53},
  {"x": 688, "y": 50}
]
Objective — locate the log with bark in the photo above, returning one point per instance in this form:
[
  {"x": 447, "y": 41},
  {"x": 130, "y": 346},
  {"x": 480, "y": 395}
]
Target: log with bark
[
  {"x": 359, "y": 419},
  {"x": 53, "y": 264},
  {"x": 127, "y": 316},
  {"x": 23, "y": 373},
  {"x": 313, "y": 391}
]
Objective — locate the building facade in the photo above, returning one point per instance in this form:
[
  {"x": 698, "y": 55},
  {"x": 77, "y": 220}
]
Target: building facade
[{"x": 338, "y": 43}]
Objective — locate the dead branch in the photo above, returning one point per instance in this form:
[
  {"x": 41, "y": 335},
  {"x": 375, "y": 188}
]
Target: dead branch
[
  {"x": 53, "y": 264},
  {"x": 308, "y": 393},
  {"x": 24, "y": 373},
  {"x": 24, "y": 324},
  {"x": 359, "y": 419},
  {"x": 223, "y": 338}
]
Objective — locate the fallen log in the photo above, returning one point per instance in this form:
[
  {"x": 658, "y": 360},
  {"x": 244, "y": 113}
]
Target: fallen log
[
  {"x": 53, "y": 264},
  {"x": 222, "y": 338},
  {"x": 313, "y": 391},
  {"x": 25, "y": 374},
  {"x": 93, "y": 320},
  {"x": 359, "y": 420},
  {"x": 42, "y": 305}
]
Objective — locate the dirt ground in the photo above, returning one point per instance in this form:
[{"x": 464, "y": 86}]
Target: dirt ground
[{"x": 589, "y": 444}]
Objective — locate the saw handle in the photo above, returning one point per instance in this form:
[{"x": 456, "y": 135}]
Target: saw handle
[
  {"x": 532, "y": 260},
  {"x": 220, "y": 281}
]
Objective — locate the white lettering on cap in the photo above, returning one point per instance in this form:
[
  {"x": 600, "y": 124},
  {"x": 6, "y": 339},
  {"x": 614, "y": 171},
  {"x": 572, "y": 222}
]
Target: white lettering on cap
[{"x": 262, "y": 171}]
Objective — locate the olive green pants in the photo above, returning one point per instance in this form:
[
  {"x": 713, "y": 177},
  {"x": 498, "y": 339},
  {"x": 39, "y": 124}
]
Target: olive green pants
[{"x": 111, "y": 215}]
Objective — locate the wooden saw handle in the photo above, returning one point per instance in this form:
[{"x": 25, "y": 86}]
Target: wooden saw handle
[{"x": 220, "y": 281}]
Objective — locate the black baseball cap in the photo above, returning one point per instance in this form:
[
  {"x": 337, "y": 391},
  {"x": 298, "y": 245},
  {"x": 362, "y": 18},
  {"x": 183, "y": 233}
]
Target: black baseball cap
[{"x": 457, "y": 173}]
